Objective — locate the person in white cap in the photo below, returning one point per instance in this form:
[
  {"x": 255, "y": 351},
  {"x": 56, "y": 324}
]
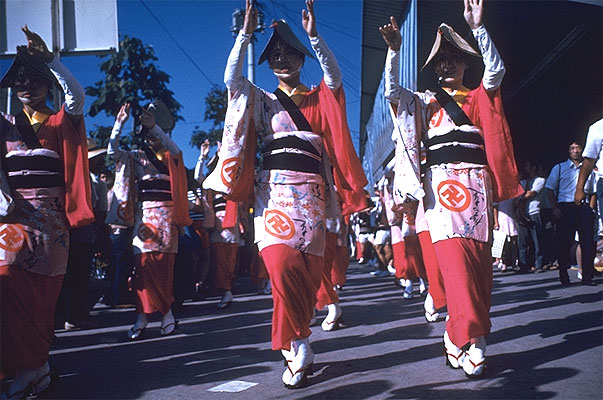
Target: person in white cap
[
  {"x": 469, "y": 162},
  {"x": 302, "y": 132}
]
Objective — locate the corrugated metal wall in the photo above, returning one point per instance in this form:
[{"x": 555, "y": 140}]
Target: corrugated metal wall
[{"x": 379, "y": 147}]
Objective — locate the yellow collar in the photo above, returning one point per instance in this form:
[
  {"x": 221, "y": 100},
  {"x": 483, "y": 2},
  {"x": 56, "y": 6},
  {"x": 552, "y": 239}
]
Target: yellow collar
[
  {"x": 458, "y": 95},
  {"x": 299, "y": 89},
  {"x": 37, "y": 117},
  {"x": 297, "y": 94}
]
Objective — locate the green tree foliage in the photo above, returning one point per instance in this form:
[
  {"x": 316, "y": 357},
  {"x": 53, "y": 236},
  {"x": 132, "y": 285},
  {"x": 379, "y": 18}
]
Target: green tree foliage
[
  {"x": 101, "y": 135},
  {"x": 216, "y": 103},
  {"x": 131, "y": 76}
]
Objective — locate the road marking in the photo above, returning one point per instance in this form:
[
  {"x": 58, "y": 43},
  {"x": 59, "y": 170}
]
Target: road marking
[{"x": 232, "y": 387}]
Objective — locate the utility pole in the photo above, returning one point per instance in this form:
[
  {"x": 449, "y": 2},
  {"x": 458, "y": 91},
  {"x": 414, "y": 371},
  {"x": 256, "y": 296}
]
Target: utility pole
[
  {"x": 55, "y": 48},
  {"x": 238, "y": 16},
  {"x": 9, "y": 98},
  {"x": 57, "y": 94}
]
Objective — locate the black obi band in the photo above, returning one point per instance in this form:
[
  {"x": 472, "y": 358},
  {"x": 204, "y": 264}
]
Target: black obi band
[
  {"x": 28, "y": 172},
  {"x": 289, "y": 160},
  {"x": 453, "y": 150},
  {"x": 456, "y": 136},
  {"x": 455, "y": 154},
  {"x": 154, "y": 190},
  {"x": 219, "y": 203}
]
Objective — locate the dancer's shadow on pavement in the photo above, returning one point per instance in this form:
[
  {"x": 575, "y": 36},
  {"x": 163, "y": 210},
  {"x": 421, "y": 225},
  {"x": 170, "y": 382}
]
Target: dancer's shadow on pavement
[
  {"x": 509, "y": 375},
  {"x": 516, "y": 375},
  {"x": 545, "y": 303}
]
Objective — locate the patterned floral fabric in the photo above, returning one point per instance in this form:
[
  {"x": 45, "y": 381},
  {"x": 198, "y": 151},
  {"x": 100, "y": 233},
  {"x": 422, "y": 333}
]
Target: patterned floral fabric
[
  {"x": 254, "y": 113},
  {"x": 154, "y": 227},
  {"x": 458, "y": 196},
  {"x": 289, "y": 205},
  {"x": 35, "y": 235}
]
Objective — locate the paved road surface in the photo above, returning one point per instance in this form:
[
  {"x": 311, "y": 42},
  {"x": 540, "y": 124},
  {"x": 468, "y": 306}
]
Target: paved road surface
[{"x": 546, "y": 342}]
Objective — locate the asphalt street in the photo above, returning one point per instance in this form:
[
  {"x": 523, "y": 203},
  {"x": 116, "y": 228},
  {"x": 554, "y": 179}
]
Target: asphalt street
[{"x": 546, "y": 343}]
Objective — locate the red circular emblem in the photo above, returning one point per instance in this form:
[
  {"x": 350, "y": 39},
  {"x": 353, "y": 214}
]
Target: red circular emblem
[
  {"x": 230, "y": 169},
  {"x": 454, "y": 196},
  {"x": 147, "y": 232},
  {"x": 438, "y": 115},
  {"x": 12, "y": 237},
  {"x": 279, "y": 224}
]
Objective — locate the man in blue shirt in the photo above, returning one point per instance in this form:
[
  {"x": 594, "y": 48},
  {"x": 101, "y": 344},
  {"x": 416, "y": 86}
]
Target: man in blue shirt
[{"x": 571, "y": 217}]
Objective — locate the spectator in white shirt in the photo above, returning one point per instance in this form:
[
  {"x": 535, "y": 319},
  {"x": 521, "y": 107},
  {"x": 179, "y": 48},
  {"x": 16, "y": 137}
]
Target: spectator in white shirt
[{"x": 530, "y": 227}]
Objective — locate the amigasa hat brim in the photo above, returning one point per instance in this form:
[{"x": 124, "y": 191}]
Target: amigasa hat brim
[
  {"x": 282, "y": 31},
  {"x": 32, "y": 65},
  {"x": 445, "y": 32}
]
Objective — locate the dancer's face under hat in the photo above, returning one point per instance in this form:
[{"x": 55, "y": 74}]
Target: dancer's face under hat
[
  {"x": 30, "y": 87},
  {"x": 29, "y": 77},
  {"x": 284, "y": 59},
  {"x": 450, "y": 65}
]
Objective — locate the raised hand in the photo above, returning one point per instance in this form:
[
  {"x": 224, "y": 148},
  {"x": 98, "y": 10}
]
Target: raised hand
[
  {"x": 391, "y": 34},
  {"x": 36, "y": 46},
  {"x": 250, "y": 23},
  {"x": 123, "y": 113},
  {"x": 205, "y": 148},
  {"x": 308, "y": 19},
  {"x": 147, "y": 119},
  {"x": 473, "y": 13}
]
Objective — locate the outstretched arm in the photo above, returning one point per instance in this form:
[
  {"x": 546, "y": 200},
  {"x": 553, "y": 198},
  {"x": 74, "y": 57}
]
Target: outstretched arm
[
  {"x": 233, "y": 75},
  {"x": 494, "y": 70},
  {"x": 392, "y": 37},
  {"x": 326, "y": 58},
  {"x": 113, "y": 149},
  {"x": 200, "y": 161},
  {"x": 148, "y": 121},
  {"x": 74, "y": 93}
]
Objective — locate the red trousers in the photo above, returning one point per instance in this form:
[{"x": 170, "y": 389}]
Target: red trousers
[
  {"x": 27, "y": 305},
  {"x": 326, "y": 294},
  {"x": 432, "y": 268},
  {"x": 408, "y": 259},
  {"x": 341, "y": 262},
  {"x": 467, "y": 271},
  {"x": 153, "y": 282},
  {"x": 222, "y": 262},
  {"x": 295, "y": 280},
  {"x": 257, "y": 269}
]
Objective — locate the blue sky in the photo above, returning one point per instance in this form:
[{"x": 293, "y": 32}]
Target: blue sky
[{"x": 202, "y": 29}]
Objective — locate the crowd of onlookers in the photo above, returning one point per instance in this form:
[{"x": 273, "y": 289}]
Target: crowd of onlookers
[{"x": 546, "y": 228}]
